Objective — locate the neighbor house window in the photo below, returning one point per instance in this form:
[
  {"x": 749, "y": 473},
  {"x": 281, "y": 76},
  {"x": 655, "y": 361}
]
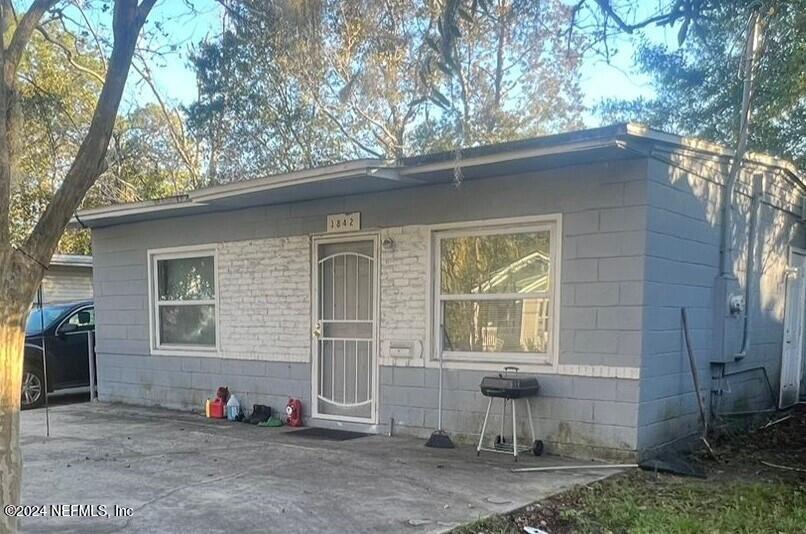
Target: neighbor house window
[
  {"x": 184, "y": 300},
  {"x": 494, "y": 289}
]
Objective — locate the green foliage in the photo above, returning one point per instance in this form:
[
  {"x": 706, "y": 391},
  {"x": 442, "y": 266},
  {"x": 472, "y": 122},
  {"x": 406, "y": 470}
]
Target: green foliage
[
  {"x": 292, "y": 85},
  {"x": 57, "y": 101},
  {"x": 699, "y": 91}
]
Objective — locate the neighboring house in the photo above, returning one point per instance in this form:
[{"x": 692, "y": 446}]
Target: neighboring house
[
  {"x": 68, "y": 278},
  {"x": 569, "y": 256}
]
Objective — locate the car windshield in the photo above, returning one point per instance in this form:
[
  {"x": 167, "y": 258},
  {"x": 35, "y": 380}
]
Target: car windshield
[{"x": 51, "y": 314}]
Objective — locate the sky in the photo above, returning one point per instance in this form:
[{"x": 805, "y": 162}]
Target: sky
[{"x": 187, "y": 27}]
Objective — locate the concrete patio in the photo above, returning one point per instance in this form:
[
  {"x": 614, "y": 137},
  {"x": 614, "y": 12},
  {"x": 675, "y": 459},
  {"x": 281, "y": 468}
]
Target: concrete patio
[{"x": 180, "y": 472}]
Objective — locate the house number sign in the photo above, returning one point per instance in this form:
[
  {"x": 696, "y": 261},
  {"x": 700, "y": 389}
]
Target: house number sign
[{"x": 344, "y": 222}]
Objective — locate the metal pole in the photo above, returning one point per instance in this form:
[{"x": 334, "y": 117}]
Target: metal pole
[
  {"x": 44, "y": 359},
  {"x": 693, "y": 363},
  {"x": 439, "y": 401},
  {"x": 91, "y": 356}
]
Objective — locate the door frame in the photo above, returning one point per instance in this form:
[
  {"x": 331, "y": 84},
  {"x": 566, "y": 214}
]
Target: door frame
[
  {"x": 374, "y": 356},
  {"x": 794, "y": 251}
]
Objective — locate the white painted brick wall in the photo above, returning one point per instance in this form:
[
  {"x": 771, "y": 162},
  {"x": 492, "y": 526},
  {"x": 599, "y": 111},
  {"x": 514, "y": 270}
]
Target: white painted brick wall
[
  {"x": 264, "y": 295},
  {"x": 264, "y": 299},
  {"x": 404, "y": 288}
]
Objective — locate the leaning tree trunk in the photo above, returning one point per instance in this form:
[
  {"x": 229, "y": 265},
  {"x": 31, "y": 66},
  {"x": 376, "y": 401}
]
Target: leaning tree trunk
[
  {"x": 21, "y": 269},
  {"x": 19, "y": 278}
]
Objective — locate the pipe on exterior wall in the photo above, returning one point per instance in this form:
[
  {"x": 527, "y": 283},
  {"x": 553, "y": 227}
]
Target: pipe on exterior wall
[
  {"x": 750, "y": 52},
  {"x": 752, "y": 243}
]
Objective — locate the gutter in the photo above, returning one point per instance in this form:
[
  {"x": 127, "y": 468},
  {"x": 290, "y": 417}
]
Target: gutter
[{"x": 491, "y": 159}]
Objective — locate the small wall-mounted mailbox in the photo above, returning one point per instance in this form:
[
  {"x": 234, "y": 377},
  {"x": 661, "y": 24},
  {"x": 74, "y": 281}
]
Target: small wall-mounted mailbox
[{"x": 403, "y": 349}]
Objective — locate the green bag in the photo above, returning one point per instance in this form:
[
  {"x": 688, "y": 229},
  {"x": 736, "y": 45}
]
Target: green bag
[{"x": 272, "y": 422}]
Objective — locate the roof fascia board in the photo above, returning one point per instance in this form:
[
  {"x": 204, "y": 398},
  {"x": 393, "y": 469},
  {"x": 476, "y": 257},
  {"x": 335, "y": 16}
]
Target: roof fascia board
[
  {"x": 699, "y": 145},
  {"x": 71, "y": 260},
  {"x": 489, "y": 159},
  {"x": 216, "y": 193},
  {"x": 140, "y": 208},
  {"x": 346, "y": 170}
]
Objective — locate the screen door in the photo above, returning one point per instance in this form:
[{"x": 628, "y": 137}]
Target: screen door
[{"x": 344, "y": 369}]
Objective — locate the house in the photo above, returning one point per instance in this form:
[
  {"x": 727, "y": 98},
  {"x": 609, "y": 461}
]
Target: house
[
  {"x": 68, "y": 278},
  {"x": 569, "y": 256}
]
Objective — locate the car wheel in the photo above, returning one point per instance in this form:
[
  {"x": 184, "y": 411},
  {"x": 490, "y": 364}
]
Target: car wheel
[{"x": 33, "y": 388}]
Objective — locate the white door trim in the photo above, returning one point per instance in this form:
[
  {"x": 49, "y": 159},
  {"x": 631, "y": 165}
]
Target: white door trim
[
  {"x": 345, "y": 238},
  {"x": 797, "y": 259}
]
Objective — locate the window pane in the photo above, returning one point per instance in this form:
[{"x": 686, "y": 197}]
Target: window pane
[
  {"x": 186, "y": 278},
  {"x": 503, "y": 263},
  {"x": 496, "y": 325},
  {"x": 83, "y": 319},
  {"x": 187, "y": 325},
  {"x": 51, "y": 314}
]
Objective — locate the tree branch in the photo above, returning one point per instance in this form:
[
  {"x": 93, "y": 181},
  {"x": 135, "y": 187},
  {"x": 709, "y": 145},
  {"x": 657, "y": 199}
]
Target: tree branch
[
  {"x": 89, "y": 162},
  {"x": 177, "y": 138},
  {"x": 673, "y": 14},
  {"x": 69, "y": 55},
  {"x": 22, "y": 34}
]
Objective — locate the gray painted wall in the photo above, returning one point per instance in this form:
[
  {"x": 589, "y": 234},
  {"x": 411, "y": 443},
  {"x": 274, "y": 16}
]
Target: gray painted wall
[
  {"x": 604, "y": 222},
  {"x": 682, "y": 262},
  {"x": 640, "y": 241}
]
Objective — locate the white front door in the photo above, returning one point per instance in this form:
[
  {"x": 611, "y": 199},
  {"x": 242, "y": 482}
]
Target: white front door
[
  {"x": 792, "y": 356},
  {"x": 345, "y": 329}
]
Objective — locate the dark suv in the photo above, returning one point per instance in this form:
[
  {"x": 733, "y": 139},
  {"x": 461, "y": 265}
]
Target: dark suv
[{"x": 65, "y": 332}]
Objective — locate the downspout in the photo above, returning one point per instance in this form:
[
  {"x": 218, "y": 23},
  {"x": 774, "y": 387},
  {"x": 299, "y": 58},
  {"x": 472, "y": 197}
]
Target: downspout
[
  {"x": 725, "y": 306},
  {"x": 755, "y": 209},
  {"x": 751, "y": 49}
]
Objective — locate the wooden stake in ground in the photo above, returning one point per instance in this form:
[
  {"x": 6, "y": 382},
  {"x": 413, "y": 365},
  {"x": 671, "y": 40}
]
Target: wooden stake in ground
[{"x": 22, "y": 267}]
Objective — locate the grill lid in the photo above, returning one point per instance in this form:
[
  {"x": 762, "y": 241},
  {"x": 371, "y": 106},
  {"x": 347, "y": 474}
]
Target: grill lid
[{"x": 510, "y": 386}]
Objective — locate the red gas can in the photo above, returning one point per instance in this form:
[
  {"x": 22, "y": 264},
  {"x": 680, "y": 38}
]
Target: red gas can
[
  {"x": 293, "y": 411},
  {"x": 218, "y": 408}
]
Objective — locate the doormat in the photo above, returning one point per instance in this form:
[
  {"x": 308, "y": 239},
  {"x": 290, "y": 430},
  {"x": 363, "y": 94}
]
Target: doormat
[{"x": 327, "y": 434}]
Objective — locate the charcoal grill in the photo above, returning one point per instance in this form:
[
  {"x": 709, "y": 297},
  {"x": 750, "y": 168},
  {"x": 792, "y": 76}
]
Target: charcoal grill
[{"x": 511, "y": 386}]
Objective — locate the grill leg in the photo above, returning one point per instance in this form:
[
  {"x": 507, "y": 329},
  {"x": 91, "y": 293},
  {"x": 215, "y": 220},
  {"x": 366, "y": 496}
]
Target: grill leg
[
  {"x": 503, "y": 418},
  {"x": 484, "y": 426},
  {"x": 531, "y": 421},
  {"x": 514, "y": 430}
]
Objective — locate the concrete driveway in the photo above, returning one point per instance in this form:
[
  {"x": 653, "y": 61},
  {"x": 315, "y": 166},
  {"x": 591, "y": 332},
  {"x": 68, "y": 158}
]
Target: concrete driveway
[{"x": 180, "y": 472}]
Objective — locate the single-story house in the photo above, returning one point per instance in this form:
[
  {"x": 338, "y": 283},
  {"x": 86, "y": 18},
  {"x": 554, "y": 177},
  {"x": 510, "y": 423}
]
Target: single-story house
[
  {"x": 569, "y": 256},
  {"x": 68, "y": 278}
]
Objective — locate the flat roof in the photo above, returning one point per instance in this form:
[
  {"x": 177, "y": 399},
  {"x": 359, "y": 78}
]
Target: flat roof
[{"x": 620, "y": 141}]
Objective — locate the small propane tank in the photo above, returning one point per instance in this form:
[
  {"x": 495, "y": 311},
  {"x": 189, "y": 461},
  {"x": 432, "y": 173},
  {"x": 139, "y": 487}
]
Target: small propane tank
[{"x": 233, "y": 408}]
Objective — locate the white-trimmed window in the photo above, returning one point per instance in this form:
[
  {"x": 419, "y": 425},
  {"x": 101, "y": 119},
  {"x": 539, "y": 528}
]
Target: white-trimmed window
[
  {"x": 184, "y": 303},
  {"x": 494, "y": 289}
]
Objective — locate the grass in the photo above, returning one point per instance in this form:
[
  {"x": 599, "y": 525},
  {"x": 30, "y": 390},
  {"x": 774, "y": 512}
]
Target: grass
[
  {"x": 688, "y": 506},
  {"x": 741, "y": 493},
  {"x": 645, "y": 503}
]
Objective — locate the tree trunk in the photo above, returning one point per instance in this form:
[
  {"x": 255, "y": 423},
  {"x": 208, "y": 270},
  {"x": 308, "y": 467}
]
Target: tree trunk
[
  {"x": 21, "y": 270},
  {"x": 18, "y": 284}
]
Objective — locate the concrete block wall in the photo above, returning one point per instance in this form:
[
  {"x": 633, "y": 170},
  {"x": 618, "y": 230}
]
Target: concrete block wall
[
  {"x": 185, "y": 382},
  {"x": 682, "y": 263},
  {"x": 589, "y": 399},
  {"x": 574, "y": 415}
]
